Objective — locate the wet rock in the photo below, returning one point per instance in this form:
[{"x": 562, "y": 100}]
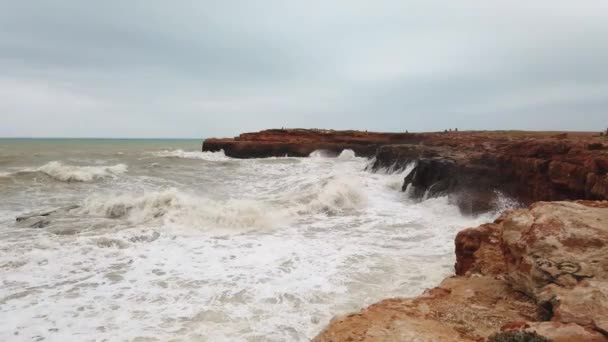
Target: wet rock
[
  {"x": 34, "y": 222},
  {"x": 104, "y": 242},
  {"x": 44, "y": 213},
  {"x": 145, "y": 238}
]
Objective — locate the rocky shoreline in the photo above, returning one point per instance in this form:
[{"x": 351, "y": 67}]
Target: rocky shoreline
[
  {"x": 537, "y": 274},
  {"x": 541, "y": 270},
  {"x": 473, "y": 168}
]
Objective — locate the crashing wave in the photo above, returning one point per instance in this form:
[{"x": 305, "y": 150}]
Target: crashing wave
[
  {"x": 173, "y": 207},
  {"x": 209, "y": 156},
  {"x": 321, "y": 154},
  {"x": 72, "y": 173},
  {"x": 333, "y": 196},
  {"x": 346, "y": 154}
]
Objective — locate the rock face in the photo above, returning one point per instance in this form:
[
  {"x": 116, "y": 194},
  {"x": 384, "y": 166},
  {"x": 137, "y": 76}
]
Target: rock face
[
  {"x": 474, "y": 172},
  {"x": 557, "y": 253},
  {"x": 302, "y": 142},
  {"x": 472, "y": 168},
  {"x": 542, "y": 270}
]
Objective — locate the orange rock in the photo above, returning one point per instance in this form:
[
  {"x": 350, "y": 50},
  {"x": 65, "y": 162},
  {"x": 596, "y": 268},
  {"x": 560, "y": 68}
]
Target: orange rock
[{"x": 555, "y": 252}]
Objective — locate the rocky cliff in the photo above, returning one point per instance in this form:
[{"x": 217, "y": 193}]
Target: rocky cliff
[
  {"x": 473, "y": 168},
  {"x": 534, "y": 274},
  {"x": 302, "y": 142},
  {"x": 539, "y": 273}
]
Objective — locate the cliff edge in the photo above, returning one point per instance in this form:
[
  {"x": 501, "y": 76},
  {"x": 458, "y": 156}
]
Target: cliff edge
[{"x": 539, "y": 273}]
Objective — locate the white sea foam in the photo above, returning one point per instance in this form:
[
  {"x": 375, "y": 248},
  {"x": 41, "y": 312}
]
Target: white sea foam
[
  {"x": 176, "y": 208},
  {"x": 262, "y": 249},
  {"x": 347, "y": 154},
  {"x": 320, "y": 154},
  {"x": 73, "y": 173},
  {"x": 209, "y": 156},
  {"x": 333, "y": 196}
]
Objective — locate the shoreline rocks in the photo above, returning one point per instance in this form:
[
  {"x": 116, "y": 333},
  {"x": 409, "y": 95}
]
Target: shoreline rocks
[
  {"x": 473, "y": 168},
  {"x": 536, "y": 271},
  {"x": 302, "y": 142},
  {"x": 539, "y": 270}
]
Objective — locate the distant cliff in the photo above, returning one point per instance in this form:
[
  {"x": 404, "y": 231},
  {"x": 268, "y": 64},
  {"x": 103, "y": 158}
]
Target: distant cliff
[
  {"x": 470, "y": 167},
  {"x": 302, "y": 142}
]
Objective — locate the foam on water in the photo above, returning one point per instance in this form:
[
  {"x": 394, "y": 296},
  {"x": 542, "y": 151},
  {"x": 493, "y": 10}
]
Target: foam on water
[
  {"x": 72, "y": 173},
  {"x": 210, "y": 156},
  {"x": 250, "y": 250},
  {"x": 174, "y": 208},
  {"x": 346, "y": 154}
]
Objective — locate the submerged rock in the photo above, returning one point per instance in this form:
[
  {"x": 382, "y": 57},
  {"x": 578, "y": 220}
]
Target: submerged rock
[
  {"x": 44, "y": 213},
  {"x": 40, "y": 218},
  {"x": 34, "y": 222}
]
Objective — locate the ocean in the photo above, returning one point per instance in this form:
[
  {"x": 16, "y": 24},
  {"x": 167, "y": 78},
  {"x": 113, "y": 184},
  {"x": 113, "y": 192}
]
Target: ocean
[{"x": 155, "y": 240}]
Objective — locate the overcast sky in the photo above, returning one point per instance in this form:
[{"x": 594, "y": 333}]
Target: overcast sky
[{"x": 216, "y": 68}]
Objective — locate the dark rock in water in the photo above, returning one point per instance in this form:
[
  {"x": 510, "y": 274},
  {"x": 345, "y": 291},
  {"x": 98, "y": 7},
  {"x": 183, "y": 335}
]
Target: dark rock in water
[
  {"x": 39, "y": 219},
  {"x": 43, "y": 213},
  {"x": 145, "y": 238},
  {"x": 34, "y": 222}
]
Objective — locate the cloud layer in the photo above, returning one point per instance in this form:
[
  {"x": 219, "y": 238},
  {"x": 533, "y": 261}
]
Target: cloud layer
[{"x": 210, "y": 68}]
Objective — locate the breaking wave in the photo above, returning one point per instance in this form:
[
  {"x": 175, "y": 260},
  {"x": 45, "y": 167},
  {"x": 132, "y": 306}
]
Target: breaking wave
[
  {"x": 209, "y": 156},
  {"x": 173, "y": 207},
  {"x": 321, "y": 154},
  {"x": 73, "y": 173},
  {"x": 333, "y": 196},
  {"x": 347, "y": 154}
]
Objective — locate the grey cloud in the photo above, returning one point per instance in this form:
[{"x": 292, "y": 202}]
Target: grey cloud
[{"x": 201, "y": 68}]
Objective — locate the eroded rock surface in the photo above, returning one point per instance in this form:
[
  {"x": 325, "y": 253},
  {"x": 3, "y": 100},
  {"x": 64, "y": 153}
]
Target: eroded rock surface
[
  {"x": 473, "y": 168},
  {"x": 543, "y": 269},
  {"x": 302, "y": 142},
  {"x": 557, "y": 253}
]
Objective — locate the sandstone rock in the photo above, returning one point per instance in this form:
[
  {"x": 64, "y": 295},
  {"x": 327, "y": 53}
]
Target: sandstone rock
[
  {"x": 554, "y": 252},
  {"x": 302, "y": 142},
  {"x": 478, "y": 251},
  {"x": 558, "y": 254},
  {"x": 471, "y": 167},
  {"x": 460, "y": 309}
]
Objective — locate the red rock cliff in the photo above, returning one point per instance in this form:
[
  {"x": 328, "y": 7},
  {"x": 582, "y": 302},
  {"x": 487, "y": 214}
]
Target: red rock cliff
[{"x": 470, "y": 167}]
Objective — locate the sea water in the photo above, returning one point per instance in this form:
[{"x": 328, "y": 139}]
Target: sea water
[{"x": 166, "y": 242}]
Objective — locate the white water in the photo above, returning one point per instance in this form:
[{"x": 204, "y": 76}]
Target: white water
[
  {"x": 72, "y": 173},
  {"x": 197, "y": 246}
]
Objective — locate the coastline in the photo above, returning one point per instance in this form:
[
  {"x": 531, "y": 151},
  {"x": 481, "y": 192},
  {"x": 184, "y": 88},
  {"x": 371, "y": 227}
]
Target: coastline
[{"x": 540, "y": 270}]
